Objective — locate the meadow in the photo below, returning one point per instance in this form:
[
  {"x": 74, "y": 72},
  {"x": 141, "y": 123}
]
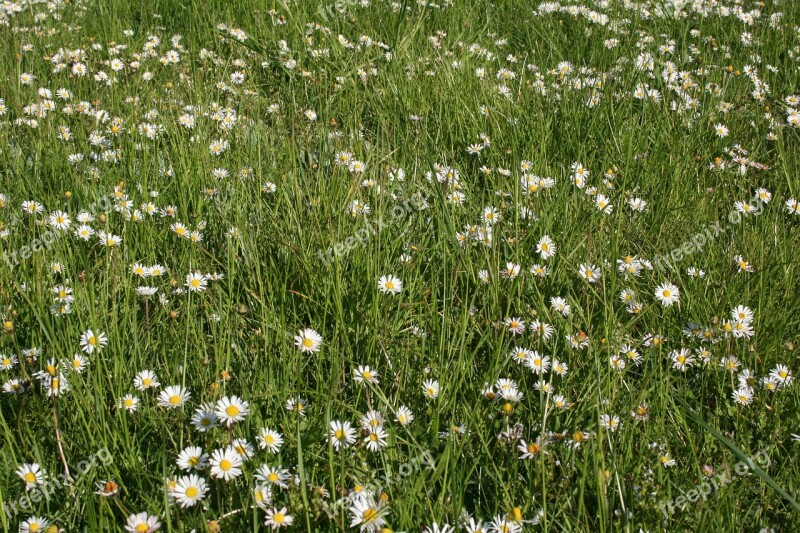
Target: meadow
[{"x": 399, "y": 266}]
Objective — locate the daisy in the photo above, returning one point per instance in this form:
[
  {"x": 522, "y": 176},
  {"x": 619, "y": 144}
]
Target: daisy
[
  {"x": 743, "y": 396},
  {"x": 721, "y": 130},
  {"x": 367, "y": 514},
  {"x": 743, "y": 265},
  {"x": 192, "y": 458},
  {"x": 603, "y": 204},
  {"x": 560, "y": 305},
  {"x": 502, "y": 524},
  {"x": 173, "y": 396},
  {"x": 271, "y": 440},
  {"x": 225, "y": 464},
  {"x": 84, "y": 232},
  {"x": 90, "y": 341},
  {"x": 667, "y": 294},
  {"x": 129, "y": 402},
  {"x": 142, "y": 523},
  {"x": 32, "y": 474},
  {"x": 431, "y": 389},
  {"x": 277, "y": 518},
  {"x": 491, "y": 216},
  {"x": 546, "y": 248},
  {"x": 530, "y": 450},
  {"x": 666, "y": 460},
  {"x": 537, "y": 363},
  {"x": 364, "y": 374},
  {"x": 231, "y": 410},
  {"x": 59, "y": 220},
  {"x": 189, "y": 490},
  {"x": 32, "y": 207},
  {"x": 204, "y": 418},
  {"x": 371, "y": 420},
  {"x": 782, "y": 375},
  {"x": 342, "y": 434},
  {"x": 376, "y": 439},
  {"x": 271, "y": 475},
  {"x": 7, "y": 362},
  {"x": 106, "y": 489},
  {"x": 590, "y": 273},
  {"x": 308, "y": 340},
  {"x": 196, "y": 282},
  {"x": 34, "y": 524},
  {"x": 515, "y": 325},
  {"x": 520, "y": 355},
  {"x": 245, "y": 450},
  {"x": 262, "y": 494},
  {"x": 609, "y": 422},
  {"x": 390, "y": 284},
  {"x": 404, "y": 416},
  {"x": 109, "y": 239},
  {"x": 742, "y": 313},
  {"x": 146, "y": 379}
]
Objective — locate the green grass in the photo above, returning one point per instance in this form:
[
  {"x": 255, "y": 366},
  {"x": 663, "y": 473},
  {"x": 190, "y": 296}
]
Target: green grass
[{"x": 236, "y": 337}]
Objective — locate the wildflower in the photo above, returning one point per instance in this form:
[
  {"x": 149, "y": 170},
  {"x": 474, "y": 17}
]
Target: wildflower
[
  {"x": 364, "y": 374},
  {"x": 91, "y": 342},
  {"x": 404, "y": 416},
  {"x": 173, "y": 397},
  {"x": 308, "y": 340},
  {"x": 189, "y": 490},
  {"x": 231, "y": 410},
  {"x": 225, "y": 464},
  {"x": 431, "y": 389},
  {"x": 142, "y": 523},
  {"x": 270, "y": 440},
  {"x": 342, "y": 434},
  {"x": 277, "y": 518},
  {"x": 667, "y": 294},
  {"x": 390, "y": 285},
  {"x": 196, "y": 282},
  {"x": 192, "y": 458},
  {"x": 590, "y": 273},
  {"x": 32, "y": 474}
]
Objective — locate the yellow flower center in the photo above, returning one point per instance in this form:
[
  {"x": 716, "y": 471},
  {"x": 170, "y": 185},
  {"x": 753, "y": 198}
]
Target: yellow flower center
[
  {"x": 232, "y": 410},
  {"x": 278, "y": 518},
  {"x": 308, "y": 343},
  {"x": 225, "y": 465},
  {"x": 174, "y": 399},
  {"x": 30, "y": 477},
  {"x": 191, "y": 492}
]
